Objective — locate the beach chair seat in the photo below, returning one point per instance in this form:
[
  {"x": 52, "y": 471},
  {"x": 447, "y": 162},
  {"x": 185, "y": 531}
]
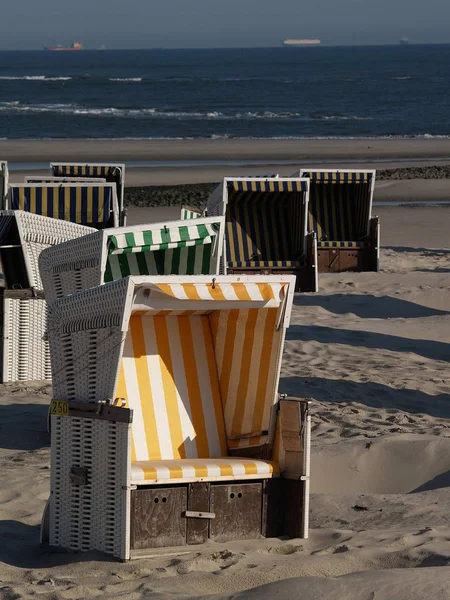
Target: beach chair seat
[
  {"x": 340, "y": 207},
  {"x": 194, "y": 443},
  {"x": 201, "y": 469},
  {"x": 343, "y": 244},
  {"x": 259, "y": 264}
]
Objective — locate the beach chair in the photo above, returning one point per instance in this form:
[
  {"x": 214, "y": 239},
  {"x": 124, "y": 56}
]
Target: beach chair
[
  {"x": 24, "y": 348},
  {"x": 4, "y": 175},
  {"x": 173, "y": 248},
  {"x": 113, "y": 173},
  {"x": 265, "y": 227},
  {"x": 340, "y": 213},
  {"x": 93, "y": 205},
  {"x": 167, "y": 428}
]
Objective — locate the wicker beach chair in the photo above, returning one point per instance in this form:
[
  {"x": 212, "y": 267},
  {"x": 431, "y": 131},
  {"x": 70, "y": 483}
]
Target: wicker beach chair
[
  {"x": 113, "y": 173},
  {"x": 23, "y": 236},
  {"x": 173, "y": 248},
  {"x": 340, "y": 213},
  {"x": 4, "y": 175},
  {"x": 93, "y": 205},
  {"x": 167, "y": 428},
  {"x": 265, "y": 227}
]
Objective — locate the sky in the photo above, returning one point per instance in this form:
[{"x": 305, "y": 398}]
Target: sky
[{"x": 31, "y": 24}]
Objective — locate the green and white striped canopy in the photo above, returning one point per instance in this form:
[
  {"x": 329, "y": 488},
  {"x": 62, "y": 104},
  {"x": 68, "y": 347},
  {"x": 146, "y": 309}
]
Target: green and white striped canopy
[
  {"x": 162, "y": 239},
  {"x": 180, "y": 250}
]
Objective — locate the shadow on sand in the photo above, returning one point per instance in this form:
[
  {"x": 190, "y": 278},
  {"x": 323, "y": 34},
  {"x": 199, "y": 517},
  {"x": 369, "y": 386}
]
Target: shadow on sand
[
  {"x": 371, "y": 394},
  {"x": 368, "y": 306},
  {"x": 368, "y": 339},
  {"x": 23, "y": 426}
]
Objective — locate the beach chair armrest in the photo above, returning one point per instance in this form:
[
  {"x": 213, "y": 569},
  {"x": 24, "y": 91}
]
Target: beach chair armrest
[{"x": 292, "y": 438}]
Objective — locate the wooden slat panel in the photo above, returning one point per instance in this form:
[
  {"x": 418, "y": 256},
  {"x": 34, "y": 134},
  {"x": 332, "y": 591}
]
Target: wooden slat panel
[{"x": 198, "y": 500}]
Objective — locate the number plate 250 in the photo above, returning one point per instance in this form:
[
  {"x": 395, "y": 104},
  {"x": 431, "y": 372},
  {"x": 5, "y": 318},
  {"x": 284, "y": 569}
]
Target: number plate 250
[{"x": 59, "y": 408}]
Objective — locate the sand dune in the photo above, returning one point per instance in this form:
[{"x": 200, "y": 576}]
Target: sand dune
[{"x": 373, "y": 351}]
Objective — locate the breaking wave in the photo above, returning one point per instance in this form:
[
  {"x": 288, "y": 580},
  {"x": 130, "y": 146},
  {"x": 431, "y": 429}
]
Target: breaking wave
[{"x": 163, "y": 113}]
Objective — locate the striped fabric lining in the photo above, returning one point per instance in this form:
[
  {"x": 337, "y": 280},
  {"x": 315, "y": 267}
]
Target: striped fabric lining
[
  {"x": 169, "y": 379},
  {"x": 266, "y": 263},
  {"x": 202, "y": 469},
  {"x": 343, "y": 244},
  {"x": 339, "y": 212},
  {"x": 264, "y": 226},
  {"x": 88, "y": 205},
  {"x": 246, "y": 348},
  {"x": 190, "y": 213},
  {"x": 178, "y": 372},
  {"x": 192, "y": 260},
  {"x": 86, "y": 171},
  {"x": 338, "y": 177},
  {"x": 272, "y": 185},
  {"x": 266, "y": 292}
]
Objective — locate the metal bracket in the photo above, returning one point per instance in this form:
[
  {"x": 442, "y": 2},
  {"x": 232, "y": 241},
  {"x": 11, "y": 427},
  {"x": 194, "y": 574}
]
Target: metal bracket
[{"x": 78, "y": 476}]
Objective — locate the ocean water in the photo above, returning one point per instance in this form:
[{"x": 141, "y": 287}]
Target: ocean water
[{"x": 269, "y": 92}]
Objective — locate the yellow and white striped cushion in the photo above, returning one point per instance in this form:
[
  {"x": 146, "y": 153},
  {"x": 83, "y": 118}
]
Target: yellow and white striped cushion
[{"x": 168, "y": 471}]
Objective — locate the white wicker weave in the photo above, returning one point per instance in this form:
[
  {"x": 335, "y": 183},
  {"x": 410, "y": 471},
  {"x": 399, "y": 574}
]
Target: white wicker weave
[
  {"x": 94, "y": 516},
  {"x": 26, "y": 353},
  {"x": 35, "y": 233}
]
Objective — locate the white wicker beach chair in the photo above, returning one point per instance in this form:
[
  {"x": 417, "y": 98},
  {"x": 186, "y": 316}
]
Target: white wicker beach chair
[
  {"x": 266, "y": 227},
  {"x": 167, "y": 428},
  {"x": 171, "y": 248},
  {"x": 23, "y": 314},
  {"x": 340, "y": 214}
]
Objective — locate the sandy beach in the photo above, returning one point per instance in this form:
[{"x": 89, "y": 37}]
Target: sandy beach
[{"x": 370, "y": 349}]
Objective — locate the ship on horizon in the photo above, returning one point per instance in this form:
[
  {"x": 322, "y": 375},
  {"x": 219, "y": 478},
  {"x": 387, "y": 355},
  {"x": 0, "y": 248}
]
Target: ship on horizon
[
  {"x": 75, "y": 46},
  {"x": 301, "y": 43},
  {"x": 404, "y": 41}
]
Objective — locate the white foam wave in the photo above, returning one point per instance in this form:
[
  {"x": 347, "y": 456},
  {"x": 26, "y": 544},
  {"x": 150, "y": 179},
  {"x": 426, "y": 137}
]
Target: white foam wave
[
  {"x": 34, "y": 78},
  {"x": 160, "y": 113},
  {"x": 128, "y": 79}
]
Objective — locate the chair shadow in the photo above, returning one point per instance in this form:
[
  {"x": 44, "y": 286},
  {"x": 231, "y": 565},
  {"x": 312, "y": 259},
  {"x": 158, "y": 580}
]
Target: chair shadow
[
  {"x": 20, "y": 547},
  {"x": 427, "y": 251},
  {"x": 368, "y": 339},
  {"x": 23, "y": 426},
  {"x": 440, "y": 481},
  {"x": 369, "y": 307},
  {"x": 374, "y": 395}
]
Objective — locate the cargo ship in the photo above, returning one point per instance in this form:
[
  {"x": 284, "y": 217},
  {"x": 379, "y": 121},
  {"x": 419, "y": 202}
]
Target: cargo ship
[
  {"x": 301, "y": 43},
  {"x": 404, "y": 41},
  {"x": 74, "y": 46}
]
